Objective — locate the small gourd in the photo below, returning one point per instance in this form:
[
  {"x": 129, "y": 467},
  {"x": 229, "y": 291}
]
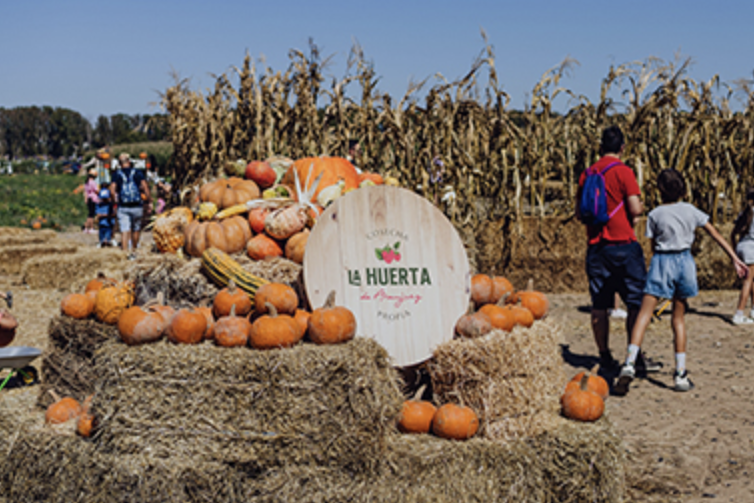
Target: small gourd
[
  {"x": 271, "y": 330},
  {"x": 280, "y": 295},
  {"x": 187, "y": 327},
  {"x": 232, "y": 331},
  {"x": 455, "y": 422},
  {"x": 331, "y": 324},
  {"x": 77, "y": 305},
  {"x": 580, "y": 403},
  {"x": 228, "y": 297},
  {"x": 62, "y": 410},
  {"x": 416, "y": 414}
]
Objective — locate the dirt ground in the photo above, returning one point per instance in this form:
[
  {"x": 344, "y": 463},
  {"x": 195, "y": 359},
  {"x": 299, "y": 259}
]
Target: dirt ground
[{"x": 684, "y": 447}]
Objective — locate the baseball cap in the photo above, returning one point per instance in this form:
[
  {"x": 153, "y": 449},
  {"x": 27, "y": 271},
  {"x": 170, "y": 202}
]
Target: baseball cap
[{"x": 104, "y": 193}]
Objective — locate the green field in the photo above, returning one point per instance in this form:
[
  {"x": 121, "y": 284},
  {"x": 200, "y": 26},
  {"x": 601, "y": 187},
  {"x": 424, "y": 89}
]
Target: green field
[{"x": 24, "y": 198}]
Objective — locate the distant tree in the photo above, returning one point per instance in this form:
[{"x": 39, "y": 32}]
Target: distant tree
[{"x": 103, "y": 132}]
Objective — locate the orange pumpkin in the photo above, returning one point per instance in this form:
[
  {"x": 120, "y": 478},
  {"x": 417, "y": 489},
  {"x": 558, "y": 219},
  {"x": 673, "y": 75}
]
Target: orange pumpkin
[
  {"x": 534, "y": 301},
  {"x": 296, "y": 246},
  {"x": 374, "y": 178},
  {"x": 302, "y": 318},
  {"x": 111, "y": 301},
  {"x": 261, "y": 173},
  {"x": 473, "y": 323},
  {"x": 62, "y": 410},
  {"x": 228, "y": 192},
  {"x": 232, "y": 331},
  {"x": 594, "y": 382},
  {"x": 280, "y": 295},
  {"x": 331, "y": 324},
  {"x": 97, "y": 283},
  {"x": 456, "y": 422},
  {"x": 257, "y": 217},
  {"x": 229, "y": 235},
  {"x": 481, "y": 289},
  {"x": 262, "y": 247},
  {"x": 500, "y": 316},
  {"x": 231, "y": 296},
  {"x": 77, "y": 305},
  {"x": 187, "y": 327},
  {"x": 207, "y": 312},
  {"x": 334, "y": 169},
  {"x": 416, "y": 414},
  {"x": 274, "y": 331},
  {"x": 500, "y": 287},
  {"x": 582, "y": 404},
  {"x": 522, "y": 316},
  {"x": 285, "y": 222},
  {"x": 145, "y": 324},
  {"x": 86, "y": 423}
]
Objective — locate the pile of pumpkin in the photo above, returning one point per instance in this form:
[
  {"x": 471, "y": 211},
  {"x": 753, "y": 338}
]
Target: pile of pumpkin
[
  {"x": 67, "y": 409},
  {"x": 451, "y": 421},
  {"x": 267, "y": 213},
  {"x": 495, "y": 304}
]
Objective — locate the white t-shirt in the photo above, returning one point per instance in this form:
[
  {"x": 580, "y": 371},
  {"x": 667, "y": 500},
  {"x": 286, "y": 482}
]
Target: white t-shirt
[{"x": 672, "y": 226}]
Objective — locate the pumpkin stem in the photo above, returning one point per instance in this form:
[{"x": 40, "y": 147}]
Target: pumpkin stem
[
  {"x": 419, "y": 393},
  {"x": 502, "y": 301},
  {"x": 595, "y": 369},
  {"x": 231, "y": 287},
  {"x": 159, "y": 299},
  {"x": 584, "y": 381},
  {"x": 530, "y": 285},
  {"x": 330, "y": 302},
  {"x": 271, "y": 310},
  {"x": 470, "y": 310}
]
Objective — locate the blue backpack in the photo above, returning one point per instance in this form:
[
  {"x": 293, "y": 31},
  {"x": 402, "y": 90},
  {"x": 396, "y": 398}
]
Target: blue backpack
[
  {"x": 593, "y": 204},
  {"x": 129, "y": 192}
]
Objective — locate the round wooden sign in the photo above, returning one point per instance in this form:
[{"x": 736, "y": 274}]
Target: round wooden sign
[{"x": 397, "y": 263}]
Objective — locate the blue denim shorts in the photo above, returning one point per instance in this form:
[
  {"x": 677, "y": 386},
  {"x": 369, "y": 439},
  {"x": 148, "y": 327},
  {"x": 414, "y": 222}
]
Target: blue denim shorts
[
  {"x": 129, "y": 218},
  {"x": 672, "y": 275}
]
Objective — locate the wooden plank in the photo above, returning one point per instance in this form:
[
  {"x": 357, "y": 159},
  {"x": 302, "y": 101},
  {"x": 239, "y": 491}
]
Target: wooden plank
[{"x": 397, "y": 263}]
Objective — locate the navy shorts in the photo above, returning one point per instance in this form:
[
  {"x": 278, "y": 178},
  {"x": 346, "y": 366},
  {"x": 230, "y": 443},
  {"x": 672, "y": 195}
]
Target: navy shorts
[{"x": 616, "y": 269}]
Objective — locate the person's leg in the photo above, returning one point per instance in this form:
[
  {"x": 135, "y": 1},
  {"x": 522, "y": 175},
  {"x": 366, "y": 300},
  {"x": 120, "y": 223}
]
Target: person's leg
[
  {"x": 601, "y": 330},
  {"x": 643, "y": 319},
  {"x": 602, "y": 296},
  {"x": 746, "y": 292},
  {"x": 679, "y": 326}
]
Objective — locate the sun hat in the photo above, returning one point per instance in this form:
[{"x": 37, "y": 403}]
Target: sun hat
[{"x": 104, "y": 193}]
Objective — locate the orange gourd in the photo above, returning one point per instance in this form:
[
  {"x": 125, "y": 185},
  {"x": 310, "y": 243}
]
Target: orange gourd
[
  {"x": 595, "y": 382},
  {"x": 416, "y": 414},
  {"x": 302, "y": 318},
  {"x": 229, "y": 235},
  {"x": 229, "y": 297},
  {"x": 274, "y": 331},
  {"x": 580, "y": 403},
  {"x": 86, "y": 422},
  {"x": 111, "y": 301},
  {"x": 481, "y": 289},
  {"x": 331, "y": 324},
  {"x": 375, "y": 178},
  {"x": 232, "y": 331},
  {"x": 77, "y": 305},
  {"x": 334, "y": 169},
  {"x": 283, "y": 223},
  {"x": 473, "y": 323},
  {"x": 522, "y": 316},
  {"x": 280, "y": 295},
  {"x": 261, "y": 173},
  {"x": 456, "y": 422},
  {"x": 501, "y": 317},
  {"x": 187, "y": 327},
  {"x": 62, "y": 410},
  {"x": 97, "y": 283},
  {"x": 257, "y": 217},
  {"x": 262, "y": 247},
  {"x": 225, "y": 193},
  {"x": 296, "y": 246},
  {"x": 500, "y": 287},
  {"x": 209, "y": 333},
  {"x": 534, "y": 301},
  {"x": 145, "y": 324}
]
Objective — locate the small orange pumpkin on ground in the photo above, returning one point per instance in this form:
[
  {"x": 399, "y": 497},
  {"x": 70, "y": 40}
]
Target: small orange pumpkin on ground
[
  {"x": 331, "y": 324},
  {"x": 232, "y": 331},
  {"x": 580, "y": 403},
  {"x": 595, "y": 382},
  {"x": 416, "y": 414},
  {"x": 456, "y": 422},
  {"x": 481, "y": 289},
  {"x": 62, "y": 410},
  {"x": 229, "y": 297},
  {"x": 87, "y": 422},
  {"x": 187, "y": 327},
  {"x": 77, "y": 305},
  {"x": 272, "y": 331},
  {"x": 280, "y": 295}
]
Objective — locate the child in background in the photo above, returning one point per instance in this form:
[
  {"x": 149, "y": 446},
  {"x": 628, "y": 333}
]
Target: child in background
[
  {"x": 742, "y": 238},
  {"x": 105, "y": 217},
  {"x": 91, "y": 198},
  {"x": 672, "y": 272}
]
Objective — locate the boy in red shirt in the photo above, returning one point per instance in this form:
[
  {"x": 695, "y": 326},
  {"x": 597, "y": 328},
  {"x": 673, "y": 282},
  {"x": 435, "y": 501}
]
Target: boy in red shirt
[{"x": 614, "y": 260}]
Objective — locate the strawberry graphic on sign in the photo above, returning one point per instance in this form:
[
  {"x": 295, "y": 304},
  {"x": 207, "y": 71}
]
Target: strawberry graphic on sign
[{"x": 389, "y": 253}]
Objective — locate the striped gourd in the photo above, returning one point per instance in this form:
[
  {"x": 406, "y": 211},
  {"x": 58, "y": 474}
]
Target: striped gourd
[{"x": 221, "y": 268}]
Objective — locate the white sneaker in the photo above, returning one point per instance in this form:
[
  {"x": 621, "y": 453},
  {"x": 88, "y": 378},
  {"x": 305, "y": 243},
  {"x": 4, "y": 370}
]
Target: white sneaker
[
  {"x": 741, "y": 320},
  {"x": 682, "y": 381},
  {"x": 751, "y": 314},
  {"x": 619, "y": 313},
  {"x": 627, "y": 374}
]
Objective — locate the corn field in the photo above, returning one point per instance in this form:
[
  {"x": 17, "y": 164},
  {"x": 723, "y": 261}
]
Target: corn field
[{"x": 498, "y": 164}]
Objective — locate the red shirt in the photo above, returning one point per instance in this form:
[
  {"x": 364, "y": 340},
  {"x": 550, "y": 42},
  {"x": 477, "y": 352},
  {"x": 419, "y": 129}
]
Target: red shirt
[{"x": 620, "y": 182}]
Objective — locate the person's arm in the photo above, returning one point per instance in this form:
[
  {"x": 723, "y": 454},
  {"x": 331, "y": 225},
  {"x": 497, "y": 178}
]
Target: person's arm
[
  {"x": 114, "y": 190},
  {"x": 741, "y": 268},
  {"x": 634, "y": 208}
]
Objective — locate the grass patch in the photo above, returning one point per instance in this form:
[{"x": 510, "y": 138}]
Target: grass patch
[{"x": 47, "y": 199}]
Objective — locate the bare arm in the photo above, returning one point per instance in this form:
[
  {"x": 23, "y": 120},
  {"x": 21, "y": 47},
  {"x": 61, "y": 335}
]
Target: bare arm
[
  {"x": 634, "y": 208},
  {"x": 114, "y": 192},
  {"x": 741, "y": 268}
]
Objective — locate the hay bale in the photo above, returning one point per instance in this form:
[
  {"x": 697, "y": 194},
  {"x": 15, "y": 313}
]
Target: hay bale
[
  {"x": 328, "y": 405},
  {"x": 27, "y": 238},
  {"x": 73, "y": 271},
  {"x": 576, "y": 462},
  {"x": 12, "y": 258},
  {"x": 513, "y": 380},
  {"x": 67, "y": 364},
  {"x": 14, "y": 231}
]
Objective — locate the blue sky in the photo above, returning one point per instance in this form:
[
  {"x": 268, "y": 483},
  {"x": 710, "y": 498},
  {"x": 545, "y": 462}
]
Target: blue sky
[{"x": 105, "y": 57}]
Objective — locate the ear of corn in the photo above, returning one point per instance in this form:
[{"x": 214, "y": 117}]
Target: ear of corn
[{"x": 221, "y": 268}]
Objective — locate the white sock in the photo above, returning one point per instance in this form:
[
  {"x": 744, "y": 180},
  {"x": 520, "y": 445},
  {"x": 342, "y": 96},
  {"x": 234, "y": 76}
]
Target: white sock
[
  {"x": 739, "y": 313},
  {"x": 633, "y": 353},
  {"x": 680, "y": 362}
]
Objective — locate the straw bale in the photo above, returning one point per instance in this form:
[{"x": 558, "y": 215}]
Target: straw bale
[
  {"x": 575, "y": 462},
  {"x": 14, "y": 231},
  {"x": 67, "y": 364},
  {"x": 71, "y": 272},
  {"x": 307, "y": 404},
  {"x": 12, "y": 257},
  {"x": 27, "y": 238},
  {"x": 504, "y": 376},
  {"x": 275, "y": 270}
]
